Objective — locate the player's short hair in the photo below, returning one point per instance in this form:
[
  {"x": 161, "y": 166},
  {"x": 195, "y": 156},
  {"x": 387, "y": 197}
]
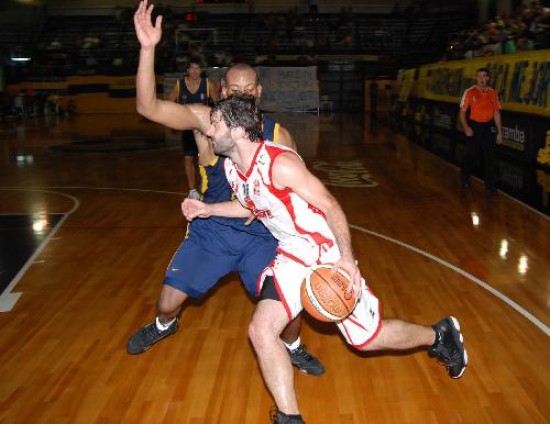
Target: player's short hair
[
  {"x": 194, "y": 60},
  {"x": 241, "y": 67},
  {"x": 240, "y": 110},
  {"x": 486, "y": 70}
]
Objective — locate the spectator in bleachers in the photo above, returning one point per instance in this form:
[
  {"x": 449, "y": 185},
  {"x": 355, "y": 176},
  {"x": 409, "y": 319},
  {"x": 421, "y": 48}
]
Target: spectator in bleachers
[
  {"x": 524, "y": 44},
  {"x": 526, "y": 30}
]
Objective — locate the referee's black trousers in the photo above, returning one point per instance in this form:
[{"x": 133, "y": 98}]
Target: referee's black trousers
[{"x": 482, "y": 145}]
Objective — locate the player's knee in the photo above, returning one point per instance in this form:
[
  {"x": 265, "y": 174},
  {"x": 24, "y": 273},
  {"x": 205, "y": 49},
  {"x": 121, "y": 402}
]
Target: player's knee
[
  {"x": 251, "y": 332},
  {"x": 260, "y": 335},
  {"x": 374, "y": 343},
  {"x": 365, "y": 347},
  {"x": 255, "y": 334},
  {"x": 170, "y": 300}
]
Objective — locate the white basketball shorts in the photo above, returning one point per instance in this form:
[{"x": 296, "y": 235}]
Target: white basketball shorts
[{"x": 358, "y": 329}]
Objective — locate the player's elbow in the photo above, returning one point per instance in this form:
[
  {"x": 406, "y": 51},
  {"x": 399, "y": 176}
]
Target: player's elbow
[
  {"x": 329, "y": 205},
  {"x": 142, "y": 109},
  {"x": 147, "y": 110}
]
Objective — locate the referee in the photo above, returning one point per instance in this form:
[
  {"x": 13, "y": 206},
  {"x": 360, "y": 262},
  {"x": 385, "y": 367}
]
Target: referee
[{"x": 483, "y": 129}]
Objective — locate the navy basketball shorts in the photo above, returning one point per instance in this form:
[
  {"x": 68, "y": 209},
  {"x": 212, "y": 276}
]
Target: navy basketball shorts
[{"x": 212, "y": 251}]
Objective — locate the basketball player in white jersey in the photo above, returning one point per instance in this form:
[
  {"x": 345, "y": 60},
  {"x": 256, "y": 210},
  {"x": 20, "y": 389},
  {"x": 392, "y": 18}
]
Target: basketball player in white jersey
[
  {"x": 239, "y": 78},
  {"x": 273, "y": 184}
]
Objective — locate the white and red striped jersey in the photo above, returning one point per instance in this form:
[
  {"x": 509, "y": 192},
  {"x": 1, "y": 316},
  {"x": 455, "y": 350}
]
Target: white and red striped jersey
[{"x": 301, "y": 229}]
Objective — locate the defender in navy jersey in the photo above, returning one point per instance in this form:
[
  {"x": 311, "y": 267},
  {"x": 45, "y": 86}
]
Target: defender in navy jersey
[{"x": 212, "y": 248}]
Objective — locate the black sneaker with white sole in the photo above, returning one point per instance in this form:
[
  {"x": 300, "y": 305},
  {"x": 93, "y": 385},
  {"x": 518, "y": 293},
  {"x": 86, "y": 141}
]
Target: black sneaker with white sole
[
  {"x": 147, "y": 336},
  {"x": 305, "y": 362},
  {"x": 277, "y": 417},
  {"x": 449, "y": 347}
]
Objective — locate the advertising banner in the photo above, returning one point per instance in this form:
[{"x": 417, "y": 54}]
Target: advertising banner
[
  {"x": 521, "y": 80},
  {"x": 542, "y": 145}
]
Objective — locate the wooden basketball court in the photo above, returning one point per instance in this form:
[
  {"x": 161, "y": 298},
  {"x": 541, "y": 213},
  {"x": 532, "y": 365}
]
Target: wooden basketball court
[{"x": 426, "y": 248}]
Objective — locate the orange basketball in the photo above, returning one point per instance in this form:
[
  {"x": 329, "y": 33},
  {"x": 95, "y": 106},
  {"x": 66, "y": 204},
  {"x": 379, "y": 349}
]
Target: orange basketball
[{"x": 325, "y": 295}]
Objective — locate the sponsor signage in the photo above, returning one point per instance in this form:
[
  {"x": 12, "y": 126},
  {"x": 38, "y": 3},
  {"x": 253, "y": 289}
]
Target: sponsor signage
[{"x": 522, "y": 80}]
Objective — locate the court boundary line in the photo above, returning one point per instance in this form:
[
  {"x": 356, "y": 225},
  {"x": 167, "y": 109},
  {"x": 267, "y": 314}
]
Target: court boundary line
[
  {"x": 530, "y": 317},
  {"x": 7, "y": 297}
]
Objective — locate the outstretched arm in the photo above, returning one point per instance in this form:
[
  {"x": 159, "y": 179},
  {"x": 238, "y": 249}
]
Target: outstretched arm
[
  {"x": 173, "y": 115},
  {"x": 192, "y": 209}
]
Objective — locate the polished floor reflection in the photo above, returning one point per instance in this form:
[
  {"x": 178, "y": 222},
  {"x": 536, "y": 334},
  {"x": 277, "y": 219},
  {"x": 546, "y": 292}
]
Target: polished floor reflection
[
  {"x": 20, "y": 237},
  {"x": 525, "y": 182},
  {"x": 426, "y": 248}
]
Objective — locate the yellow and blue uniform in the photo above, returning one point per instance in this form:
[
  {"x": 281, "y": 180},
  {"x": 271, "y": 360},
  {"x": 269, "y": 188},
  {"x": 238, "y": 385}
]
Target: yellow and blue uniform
[
  {"x": 217, "y": 246},
  {"x": 199, "y": 96},
  {"x": 189, "y": 145},
  {"x": 270, "y": 129}
]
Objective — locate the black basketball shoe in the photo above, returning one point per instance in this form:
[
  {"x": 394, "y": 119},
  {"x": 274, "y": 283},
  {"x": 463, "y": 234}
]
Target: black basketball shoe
[
  {"x": 449, "y": 348},
  {"x": 305, "y": 362},
  {"x": 147, "y": 336},
  {"x": 278, "y": 417}
]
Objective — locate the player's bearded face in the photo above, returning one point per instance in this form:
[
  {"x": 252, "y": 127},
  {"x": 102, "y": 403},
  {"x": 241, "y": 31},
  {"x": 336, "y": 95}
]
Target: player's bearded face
[
  {"x": 220, "y": 136},
  {"x": 224, "y": 144}
]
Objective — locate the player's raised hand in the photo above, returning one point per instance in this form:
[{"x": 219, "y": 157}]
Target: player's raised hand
[{"x": 147, "y": 34}]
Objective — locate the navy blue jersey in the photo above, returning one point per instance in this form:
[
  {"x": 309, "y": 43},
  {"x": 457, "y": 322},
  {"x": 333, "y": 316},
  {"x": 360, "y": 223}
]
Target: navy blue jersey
[
  {"x": 270, "y": 129},
  {"x": 213, "y": 185},
  {"x": 214, "y": 188},
  {"x": 186, "y": 97}
]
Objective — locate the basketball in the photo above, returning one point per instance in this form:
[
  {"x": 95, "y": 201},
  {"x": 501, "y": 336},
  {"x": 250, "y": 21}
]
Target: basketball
[{"x": 325, "y": 294}]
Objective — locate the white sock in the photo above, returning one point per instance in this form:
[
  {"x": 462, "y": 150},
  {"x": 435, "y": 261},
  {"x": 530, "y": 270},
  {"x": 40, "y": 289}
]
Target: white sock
[
  {"x": 161, "y": 326},
  {"x": 294, "y": 345}
]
